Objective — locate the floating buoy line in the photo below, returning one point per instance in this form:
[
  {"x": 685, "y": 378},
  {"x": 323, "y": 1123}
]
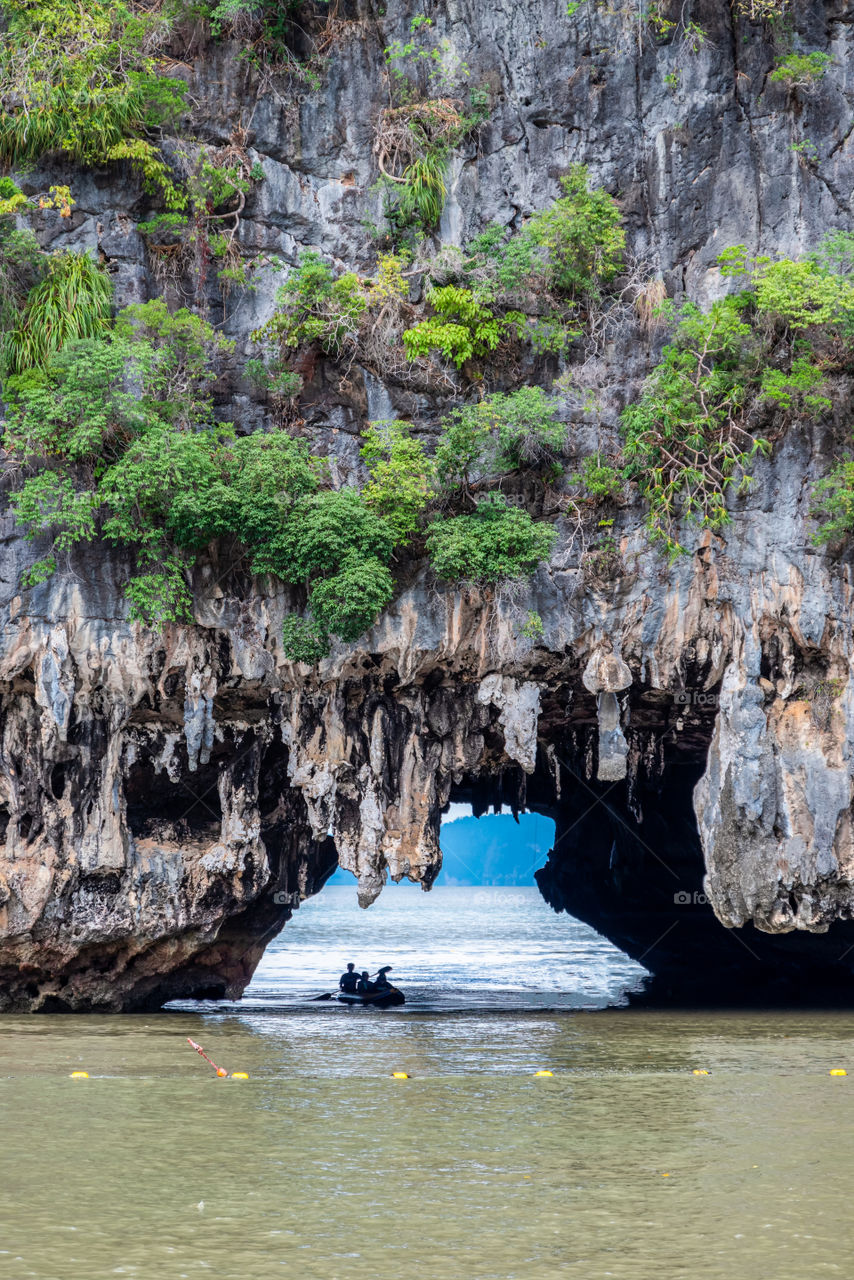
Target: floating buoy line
[{"x": 543, "y": 1073}]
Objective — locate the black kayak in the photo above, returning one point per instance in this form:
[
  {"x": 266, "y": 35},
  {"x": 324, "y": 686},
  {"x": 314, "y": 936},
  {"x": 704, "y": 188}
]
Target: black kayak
[{"x": 384, "y": 999}]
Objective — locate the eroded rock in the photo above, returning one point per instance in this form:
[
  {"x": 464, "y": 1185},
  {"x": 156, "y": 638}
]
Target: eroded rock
[{"x": 169, "y": 799}]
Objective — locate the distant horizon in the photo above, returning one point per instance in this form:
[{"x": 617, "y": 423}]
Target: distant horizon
[{"x": 494, "y": 851}]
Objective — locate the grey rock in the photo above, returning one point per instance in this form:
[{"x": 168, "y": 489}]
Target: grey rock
[{"x": 171, "y": 798}]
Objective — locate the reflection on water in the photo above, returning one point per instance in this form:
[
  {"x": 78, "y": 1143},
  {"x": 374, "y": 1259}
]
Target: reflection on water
[{"x": 622, "y": 1165}]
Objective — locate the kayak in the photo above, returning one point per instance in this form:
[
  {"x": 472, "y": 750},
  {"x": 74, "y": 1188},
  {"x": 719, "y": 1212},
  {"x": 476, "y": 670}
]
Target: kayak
[{"x": 384, "y": 999}]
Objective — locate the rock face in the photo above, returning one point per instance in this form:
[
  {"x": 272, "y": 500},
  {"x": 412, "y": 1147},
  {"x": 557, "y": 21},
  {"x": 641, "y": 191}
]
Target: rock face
[{"x": 170, "y": 798}]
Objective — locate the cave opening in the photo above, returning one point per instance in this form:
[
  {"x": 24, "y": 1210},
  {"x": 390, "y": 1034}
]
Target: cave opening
[
  {"x": 175, "y": 808},
  {"x": 483, "y": 937}
]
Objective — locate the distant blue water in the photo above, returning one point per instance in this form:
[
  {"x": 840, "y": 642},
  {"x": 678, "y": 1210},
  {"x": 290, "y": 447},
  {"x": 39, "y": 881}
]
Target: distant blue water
[{"x": 452, "y": 948}]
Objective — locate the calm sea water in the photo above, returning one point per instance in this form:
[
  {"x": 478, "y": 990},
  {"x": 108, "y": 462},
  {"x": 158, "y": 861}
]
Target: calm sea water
[
  {"x": 623, "y": 1164},
  {"x": 451, "y": 948}
]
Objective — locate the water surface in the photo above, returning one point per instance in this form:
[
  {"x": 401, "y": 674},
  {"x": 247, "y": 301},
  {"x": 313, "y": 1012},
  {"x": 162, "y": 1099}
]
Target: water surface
[
  {"x": 321, "y": 1167},
  {"x": 452, "y": 948}
]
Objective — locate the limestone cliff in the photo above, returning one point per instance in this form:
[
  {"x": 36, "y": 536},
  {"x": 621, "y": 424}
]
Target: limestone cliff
[{"x": 170, "y": 797}]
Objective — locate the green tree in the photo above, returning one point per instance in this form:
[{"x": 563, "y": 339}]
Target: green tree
[
  {"x": 685, "y": 442},
  {"x": 504, "y": 432},
  {"x": 402, "y": 476},
  {"x": 833, "y": 504},
  {"x": 461, "y": 329},
  {"x": 84, "y": 81},
  {"x": 582, "y": 235},
  {"x": 315, "y": 306},
  {"x": 497, "y": 542}
]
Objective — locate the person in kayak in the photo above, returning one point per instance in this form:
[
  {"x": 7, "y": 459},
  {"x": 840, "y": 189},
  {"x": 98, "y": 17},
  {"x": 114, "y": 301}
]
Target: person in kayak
[
  {"x": 364, "y": 984},
  {"x": 349, "y": 981},
  {"x": 382, "y": 983}
]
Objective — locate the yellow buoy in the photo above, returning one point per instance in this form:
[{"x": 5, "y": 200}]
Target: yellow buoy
[
  {"x": 239, "y": 1075},
  {"x": 399, "y": 1075},
  {"x": 701, "y": 1071},
  {"x": 543, "y": 1073},
  {"x": 80, "y": 1075},
  {"x": 838, "y": 1071}
]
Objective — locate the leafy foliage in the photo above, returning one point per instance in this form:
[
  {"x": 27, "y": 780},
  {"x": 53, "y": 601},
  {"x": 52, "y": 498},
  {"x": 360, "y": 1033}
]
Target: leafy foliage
[
  {"x": 801, "y": 292},
  {"x": 685, "y": 444},
  {"x": 600, "y": 481},
  {"x": 348, "y": 602},
  {"x": 413, "y": 145},
  {"x": 566, "y": 256},
  {"x": 266, "y": 29},
  {"x": 119, "y": 434},
  {"x": 20, "y": 262},
  {"x": 573, "y": 249},
  {"x": 12, "y": 197},
  {"x": 833, "y": 503},
  {"x": 500, "y": 264},
  {"x": 314, "y": 306},
  {"x": 402, "y": 477},
  {"x": 72, "y": 301},
  {"x": 461, "y": 329},
  {"x": 497, "y": 542},
  {"x": 504, "y": 432},
  {"x": 766, "y": 10},
  {"x": 417, "y": 133},
  {"x": 797, "y": 388},
  {"x": 155, "y": 173},
  {"x": 582, "y": 236},
  {"x": 801, "y": 70},
  {"x": 81, "y": 79},
  {"x": 118, "y": 413},
  {"x": 532, "y": 628},
  {"x": 690, "y": 438},
  {"x": 420, "y": 199}
]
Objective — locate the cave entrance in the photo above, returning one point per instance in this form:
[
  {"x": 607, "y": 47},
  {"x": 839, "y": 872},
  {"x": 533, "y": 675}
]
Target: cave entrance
[{"x": 483, "y": 938}]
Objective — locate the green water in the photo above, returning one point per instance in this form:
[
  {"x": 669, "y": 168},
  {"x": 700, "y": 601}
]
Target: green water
[{"x": 321, "y": 1166}]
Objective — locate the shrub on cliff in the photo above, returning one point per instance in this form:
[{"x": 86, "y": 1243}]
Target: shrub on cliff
[
  {"x": 21, "y": 263},
  {"x": 348, "y": 317},
  {"x": 496, "y": 543},
  {"x": 833, "y": 504},
  {"x": 313, "y": 305},
  {"x": 686, "y": 445},
  {"x": 539, "y": 284},
  {"x": 692, "y": 437},
  {"x": 84, "y": 80},
  {"x": 110, "y": 429},
  {"x": 582, "y": 237},
  {"x": 118, "y": 435},
  {"x": 72, "y": 301},
  {"x": 461, "y": 329},
  {"x": 801, "y": 70},
  {"x": 504, "y": 432},
  {"x": 402, "y": 476}
]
